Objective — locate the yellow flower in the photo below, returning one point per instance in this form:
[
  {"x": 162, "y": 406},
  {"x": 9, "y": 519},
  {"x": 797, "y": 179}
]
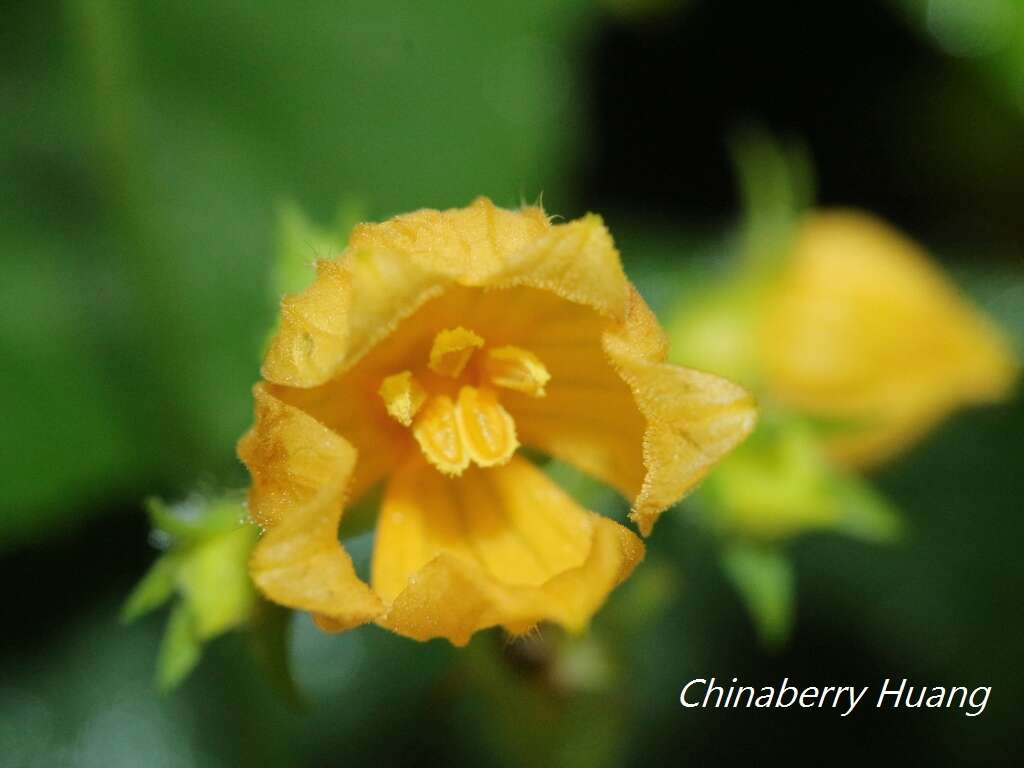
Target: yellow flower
[
  {"x": 423, "y": 357},
  {"x": 864, "y": 329}
]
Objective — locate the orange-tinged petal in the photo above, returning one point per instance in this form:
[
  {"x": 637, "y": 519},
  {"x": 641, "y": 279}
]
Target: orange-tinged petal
[
  {"x": 299, "y": 563},
  {"x": 864, "y": 328},
  {"x": 387, "y": 272},
  {"x": 468, "y": 245},
  {"x": 692, "y": 418},
  {"x": 617, "y": 411},
  {"x": 313, "y": 335},
  {"x": 556, "y": 296},
  {"x": 502, "y": 546},
  {"x": 290, "y": 457},
  {"x": 374, "y": 310},
  {"x": 300, "y": 472},
  {"x": 350, "y": 407},
  {"x": 577, "y": 261}
]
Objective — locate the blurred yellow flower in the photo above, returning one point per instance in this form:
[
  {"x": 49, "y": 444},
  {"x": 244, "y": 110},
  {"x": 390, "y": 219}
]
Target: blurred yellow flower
[
  {"x": 423, "y": 357},
  {"x": 864, "y": 329}
]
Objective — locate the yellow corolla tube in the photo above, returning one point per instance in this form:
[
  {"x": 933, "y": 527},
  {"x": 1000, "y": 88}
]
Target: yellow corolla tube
[
  {"x": 423, "y": 358},
  {"x": 863, "y": 328}
]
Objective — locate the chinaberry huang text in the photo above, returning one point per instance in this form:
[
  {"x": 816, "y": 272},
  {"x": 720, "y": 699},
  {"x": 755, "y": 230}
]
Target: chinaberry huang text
[{"x": 709, "y": 693}]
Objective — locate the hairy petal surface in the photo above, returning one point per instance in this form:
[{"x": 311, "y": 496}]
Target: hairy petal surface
[
  {"x": 501, "y": 546},
  {"x": 291, "y": 458},
  {"x": 386, "y": 273},
  {"x": 613, "y": 407},
  {"x": 692, "y": 418},
  {"x": 300, "y": 472}
]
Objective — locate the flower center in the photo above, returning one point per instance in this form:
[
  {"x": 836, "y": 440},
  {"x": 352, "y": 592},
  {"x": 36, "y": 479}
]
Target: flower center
[{"x": 452, "y": 406}]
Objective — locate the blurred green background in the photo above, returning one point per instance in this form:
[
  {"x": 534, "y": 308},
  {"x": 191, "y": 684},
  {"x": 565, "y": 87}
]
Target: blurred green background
[{"x": 146, "y": 150}]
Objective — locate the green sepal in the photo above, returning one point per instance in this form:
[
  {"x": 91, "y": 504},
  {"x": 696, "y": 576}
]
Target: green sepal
[
  {"x": 865, "y": 513},
  {"x": 208, "y": 541},
  {"x": 196, "y": 517},
  {"x": 214, "y": 581},
  {"x": 180, "y": 649},
  {"x": 155, "y": 589},
  {"x": 781, "y": 482},
  {"x": 763, "y": 576}
]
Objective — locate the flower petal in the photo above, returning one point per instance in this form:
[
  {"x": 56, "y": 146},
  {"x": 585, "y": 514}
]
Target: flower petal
[
  {"x": 577, "y": 261},
  {"x": 468, "y": 245},
  {"x": 290, "y": 457},
  {"x": 693, "y": 418},
  {"x": 557, "y": 291},
  {"x": 649, "y": 429},
  {"x": 301, "y": 564},
  {"x": 865, "y": 328},
  {"x": 300, "y": 471},
  {"x": 351, "y": 407},
  {"x": 387, "y": 272},
  {"x": 498, "y": 546},
  {"x": 588, "y": 416},
  {"x": 618, "y": 412}
]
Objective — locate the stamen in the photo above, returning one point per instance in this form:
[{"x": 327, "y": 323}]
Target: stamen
[
  {"x": 488, "y": 431},
  {"x": 452, "y": 349},
  {"x": 473, "y": 427},
  {"x": 516, "y": 368},
  {"x": 403, "y": 396},
  {"x": 437, "y": 431}
]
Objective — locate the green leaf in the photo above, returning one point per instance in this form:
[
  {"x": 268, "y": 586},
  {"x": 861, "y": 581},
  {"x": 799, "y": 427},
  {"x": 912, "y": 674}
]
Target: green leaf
[
  {"x": 214, "y": 142},
  {"x": 763, "y": 575},
  {"x": 180, "y": 649},
  {"x": 351, "y": 211},
  {"x": 155, "y": 588}
]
